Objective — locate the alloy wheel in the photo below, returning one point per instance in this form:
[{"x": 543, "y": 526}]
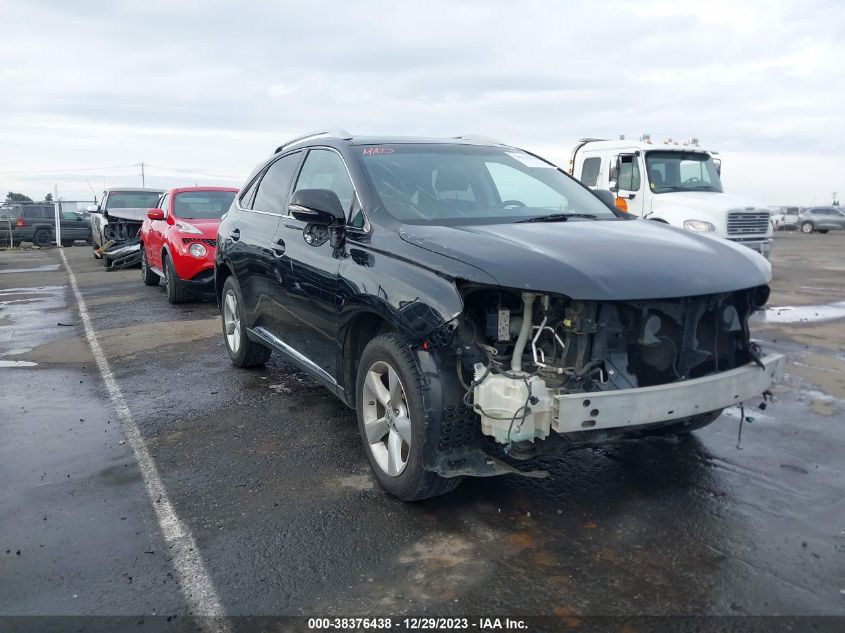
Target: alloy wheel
[
  {"x": 232, "y": 321},
  {"x": 386, "y": 418}
]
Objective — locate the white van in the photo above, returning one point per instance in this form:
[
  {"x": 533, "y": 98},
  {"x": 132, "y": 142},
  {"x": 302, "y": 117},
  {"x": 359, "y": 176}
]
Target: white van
[{"x": 672, "y": 183}]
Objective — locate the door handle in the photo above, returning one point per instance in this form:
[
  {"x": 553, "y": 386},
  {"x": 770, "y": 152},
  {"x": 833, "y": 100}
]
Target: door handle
[
  {"x": 278, "y": 248},
  {"x": 235, "y": 234}
]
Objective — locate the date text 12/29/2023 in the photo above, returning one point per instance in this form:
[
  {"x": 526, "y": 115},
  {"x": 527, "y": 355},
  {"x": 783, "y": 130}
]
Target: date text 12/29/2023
[{"x": 418, "y": 624}]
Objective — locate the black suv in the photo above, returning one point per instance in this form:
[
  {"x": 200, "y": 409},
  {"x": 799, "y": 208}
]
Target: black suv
[
  {"x": 478, "y": 306},
  {"x": 36, "y": 223}
]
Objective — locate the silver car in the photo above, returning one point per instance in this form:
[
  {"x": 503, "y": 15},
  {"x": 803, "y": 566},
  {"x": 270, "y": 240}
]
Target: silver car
[{"x": 821, "y": 219}]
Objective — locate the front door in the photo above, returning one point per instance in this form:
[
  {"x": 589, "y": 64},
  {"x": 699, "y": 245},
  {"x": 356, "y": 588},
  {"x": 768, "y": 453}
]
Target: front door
[
  {"x": 155, "y": 235},
  {"x": 308, "y": 294}
]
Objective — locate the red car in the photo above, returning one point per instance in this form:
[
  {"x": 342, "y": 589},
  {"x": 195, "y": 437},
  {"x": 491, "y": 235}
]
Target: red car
[{"x": 179, "y": 239}]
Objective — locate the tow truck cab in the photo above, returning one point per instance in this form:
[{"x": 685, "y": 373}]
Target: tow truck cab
[{"x": 672, "y": 183}]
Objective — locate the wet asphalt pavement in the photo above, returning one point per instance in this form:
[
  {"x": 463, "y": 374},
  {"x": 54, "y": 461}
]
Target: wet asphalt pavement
[{"x": 267, "y": 471}]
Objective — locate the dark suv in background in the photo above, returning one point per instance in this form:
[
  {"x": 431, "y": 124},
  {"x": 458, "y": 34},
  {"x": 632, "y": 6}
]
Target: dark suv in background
[
  {"x": 476, "y": 305},
  {"x": 36, "y": 223}
]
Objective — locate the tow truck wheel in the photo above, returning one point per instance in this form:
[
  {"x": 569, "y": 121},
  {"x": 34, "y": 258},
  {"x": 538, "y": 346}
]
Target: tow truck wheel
[{"x": 807, "y": 227}]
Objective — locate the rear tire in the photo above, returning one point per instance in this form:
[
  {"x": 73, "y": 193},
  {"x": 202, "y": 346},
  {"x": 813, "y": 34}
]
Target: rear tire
[
  {"x": 149, "y": 277},
  {"x": 823, "y": 231},
  {"x": 807, "y": 227},
  {"x": 42, "y": 238},
  {"x": 175, "y": 292},
  {"x": 242, "y": 351},
  {"x": 389, "y": 378}
]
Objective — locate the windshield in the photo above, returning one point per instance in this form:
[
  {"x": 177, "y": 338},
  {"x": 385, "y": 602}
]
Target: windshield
[
  {"x": 462, "y": 184},
  {"x": 202, "y": 204},
  {"x": 132, "y": 200},
  {"x": 681, "y": 171}
]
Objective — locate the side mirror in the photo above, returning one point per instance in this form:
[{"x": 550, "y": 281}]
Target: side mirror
[
  {"x": 155, "y": 214},
  {"x": 317, "y": 206},
  {"x": 94, "y": 208},
  {"x": 718, "y": 163},
  {"x": 605, "y": 196}
]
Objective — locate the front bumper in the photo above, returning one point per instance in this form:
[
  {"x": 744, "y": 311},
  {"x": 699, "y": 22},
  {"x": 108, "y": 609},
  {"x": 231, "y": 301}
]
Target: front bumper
[
  {"x": 760, "y": 245},
  {"x": 661, "y": 403}
]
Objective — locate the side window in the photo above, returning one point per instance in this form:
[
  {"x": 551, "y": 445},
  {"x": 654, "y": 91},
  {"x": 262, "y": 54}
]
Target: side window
[
  {"x": 272, "y": 194},
  {"x": 629, "y": 173},
  {"x": 324, "y": 169},
  {"x": 246, "y": 196},
  {"x": 357, "y": 218},
  {"x": 164, "y": 203},
  {"x": 590, "y": 171}
]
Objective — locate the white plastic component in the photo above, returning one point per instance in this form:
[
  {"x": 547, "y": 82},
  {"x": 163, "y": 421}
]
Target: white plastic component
[
  {"x": 502, "y": 398},
  {"x": 525, "y": 331}
]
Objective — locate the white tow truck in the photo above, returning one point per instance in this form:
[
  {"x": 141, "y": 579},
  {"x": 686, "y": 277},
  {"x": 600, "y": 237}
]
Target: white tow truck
[{"x": 674, "y": 183}]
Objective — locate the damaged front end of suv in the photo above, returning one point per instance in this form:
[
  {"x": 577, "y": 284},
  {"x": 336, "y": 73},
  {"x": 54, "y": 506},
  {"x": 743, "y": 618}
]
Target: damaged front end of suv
[{"x": 542, "y": 372}]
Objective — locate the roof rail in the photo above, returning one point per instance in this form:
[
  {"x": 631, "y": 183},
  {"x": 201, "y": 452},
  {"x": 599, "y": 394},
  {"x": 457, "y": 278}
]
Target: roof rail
[
  {"x": 334, "y": 132},
  {"x": 478, "y": 138}
]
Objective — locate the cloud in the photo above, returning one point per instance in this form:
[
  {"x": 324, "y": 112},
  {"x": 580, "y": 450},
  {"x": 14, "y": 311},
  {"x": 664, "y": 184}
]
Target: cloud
[{"x": 216, "y": 85}]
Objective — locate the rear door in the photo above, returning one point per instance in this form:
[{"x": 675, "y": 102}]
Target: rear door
[
  {"x": 308, "y": 272},
  {"x": 252, "y": 252}
]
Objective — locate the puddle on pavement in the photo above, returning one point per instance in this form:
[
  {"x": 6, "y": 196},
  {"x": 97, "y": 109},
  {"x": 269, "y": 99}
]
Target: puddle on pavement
[
  {"x": 804, "y": 314},
  {"x": 28, "y": 317},
  {"x": 17, "y": 363},
  {"x": 37, "y": 269}
]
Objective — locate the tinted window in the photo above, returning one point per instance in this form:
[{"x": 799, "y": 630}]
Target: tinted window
[
  {"x": 202, "y": 204},
  {"x": 324, "y": 169},
  {"x": 590, "y": 171},
  {"x": 461, "y": 184},
  {"x": 248, "y": 194},
  {"x": 272, "y": 195}
]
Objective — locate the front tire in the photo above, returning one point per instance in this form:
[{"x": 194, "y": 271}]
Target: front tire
[
  {"x": 807, "y": 228},
  {"x": 175, "y": 292},
  {"x": 149, "y": 277},
  {"x": 242, "y": 351},
  {"x": 392, "y": 421}
]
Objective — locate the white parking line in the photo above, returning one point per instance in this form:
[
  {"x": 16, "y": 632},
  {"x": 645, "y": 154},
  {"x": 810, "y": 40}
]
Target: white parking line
[{"x": 194, "y": 579}]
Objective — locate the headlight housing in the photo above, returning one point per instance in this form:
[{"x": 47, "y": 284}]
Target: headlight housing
[
  {"x": 184, "y": 227},
  {"x": 197, "y": 250},
  {"x": 699, "y": 226}
]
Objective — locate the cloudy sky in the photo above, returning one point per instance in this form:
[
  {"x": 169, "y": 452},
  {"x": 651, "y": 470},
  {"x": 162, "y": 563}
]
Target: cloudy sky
[{"x": 202, "y": 90}]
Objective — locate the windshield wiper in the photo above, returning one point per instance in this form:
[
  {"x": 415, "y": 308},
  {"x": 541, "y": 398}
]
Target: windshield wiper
[{"x": 557, "y": 217}]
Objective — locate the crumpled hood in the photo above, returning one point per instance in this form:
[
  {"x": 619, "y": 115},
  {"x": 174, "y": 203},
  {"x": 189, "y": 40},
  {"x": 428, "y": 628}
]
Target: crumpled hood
[
  {"x": 139, "y": 215},
  {"x": 598, "y": 260},
  {"x": 705, "y": 199}
]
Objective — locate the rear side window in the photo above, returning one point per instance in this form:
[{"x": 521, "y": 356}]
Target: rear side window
[
  {"x": 272, "y": 195},
  {"x": 590, "y": 171}
]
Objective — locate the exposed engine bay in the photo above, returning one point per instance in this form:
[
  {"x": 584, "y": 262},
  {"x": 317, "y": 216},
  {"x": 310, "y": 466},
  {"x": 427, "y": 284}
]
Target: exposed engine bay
[{"x": 521, "y": 354}]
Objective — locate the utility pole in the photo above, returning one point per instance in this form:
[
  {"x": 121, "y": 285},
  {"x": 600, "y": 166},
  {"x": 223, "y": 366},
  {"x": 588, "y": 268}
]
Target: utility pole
[{"x": 143, "y": 179}]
